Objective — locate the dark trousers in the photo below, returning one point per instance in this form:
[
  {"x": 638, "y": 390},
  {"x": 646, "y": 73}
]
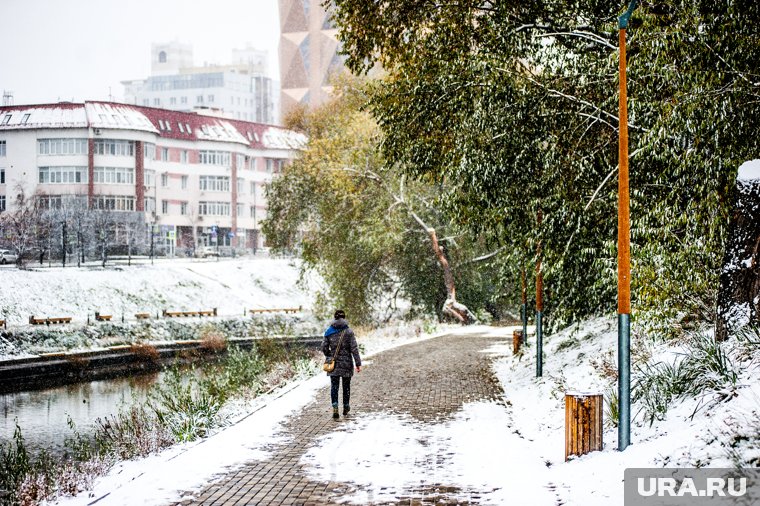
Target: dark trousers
[{"x": 334, "y": 382}]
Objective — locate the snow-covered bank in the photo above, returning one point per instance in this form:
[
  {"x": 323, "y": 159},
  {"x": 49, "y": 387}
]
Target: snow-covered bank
[
  {"x": 185, "y": 469},
  {"x": 513, "y": 451},
  {"x": 509, "y": 451},
  {"x": 230, "y": 285}
]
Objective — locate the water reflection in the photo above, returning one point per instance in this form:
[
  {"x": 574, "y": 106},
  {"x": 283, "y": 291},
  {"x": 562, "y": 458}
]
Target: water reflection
[{"x": 42, "y": 414}]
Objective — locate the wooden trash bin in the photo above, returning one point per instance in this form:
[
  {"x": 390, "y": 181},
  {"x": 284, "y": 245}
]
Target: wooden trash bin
[
  {"x": 516, "y": 341},
  {"x": 583, "y": 423}
]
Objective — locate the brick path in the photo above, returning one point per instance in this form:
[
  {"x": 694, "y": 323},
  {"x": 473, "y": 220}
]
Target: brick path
[{"x": 428, "y": 381}]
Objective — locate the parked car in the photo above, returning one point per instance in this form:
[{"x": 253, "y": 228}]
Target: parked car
[
  {"x": 7, "y": 257},
  {"x": 209, "y": 251}
]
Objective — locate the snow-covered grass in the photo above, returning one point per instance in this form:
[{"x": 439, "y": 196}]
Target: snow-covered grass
[{"x": 233, "y": 286}]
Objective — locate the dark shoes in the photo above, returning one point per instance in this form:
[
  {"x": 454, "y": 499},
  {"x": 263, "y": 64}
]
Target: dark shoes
[{"x": 346, "y": 409}]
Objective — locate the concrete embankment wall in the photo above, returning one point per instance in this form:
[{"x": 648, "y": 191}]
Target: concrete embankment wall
[{"x": 55, "y": 369}]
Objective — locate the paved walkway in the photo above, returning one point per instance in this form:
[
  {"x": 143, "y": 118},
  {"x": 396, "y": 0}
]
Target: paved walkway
[{"x": 428, "y": 381}]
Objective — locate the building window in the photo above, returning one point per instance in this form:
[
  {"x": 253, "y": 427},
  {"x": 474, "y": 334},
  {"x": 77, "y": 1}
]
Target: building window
[
  {"x": 25, "y": 119},
  {"x": 114, "y": 202},
  {"x": 240, "y": 209},
  {"x": 210, "y": 98},
  {"x": 62, "y": 146},
  {"x": 189, "y": 130},
  {"x": 213, "y": 208},
  {"x": 150, "y": 178},
  {"x": 161, "y": 124},
  {"x": 215, "y": 158},
  {"x": 182, "y": 154},
  {"x": 164, "y": 207},
  {"x": 2, "y": 176},
  {"x": 164, "y": 180},
  {"x": 253, "y": 188},
  {"x": 6, "y": 119},
  {"x": 62, "y": 201},
  {"x": 183, "y": 208},
  {"x": 253, "y": 212},
  {"x": 150, "y": 205},
  {"x": 2, "y": 203},
  {"x": 146, "y": 101},
  {"x": 114, "y": 175},
  {"x": 183, "y": 100},
  {"x": 240, "y": 161},
  {"x": 114, "y": 147},
  {"x": 156, "y": 102},
  {"x": 62, "y": 175},
  {"x": 270, "y": 165},
  {"x": 150, "y": 151},
  {"x": 181, "y": 129},
  {"x": 184, "y": 182},
  {"x": 215, "y": 183},
  {"x": 162, "y": 57},
  {"x": 199, "y": 99},
  {"x": 240, "y": 185},
  {"x": 173, "y": 100},
  {"x": 164, "y": 154},
  {"x": 2, "y": 148}
]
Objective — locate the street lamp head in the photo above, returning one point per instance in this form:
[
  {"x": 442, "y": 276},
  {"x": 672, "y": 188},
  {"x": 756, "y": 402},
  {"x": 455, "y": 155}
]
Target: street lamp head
[{"x": 623, "y": 20}]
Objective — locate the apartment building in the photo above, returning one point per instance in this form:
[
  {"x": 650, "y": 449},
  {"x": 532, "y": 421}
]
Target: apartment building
[
  {"x": 240, "y": 89},
  {"x": 198, "y": 179}
]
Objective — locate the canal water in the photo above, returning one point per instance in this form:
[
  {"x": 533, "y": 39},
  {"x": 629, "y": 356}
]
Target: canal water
[{"x": 43, "y": 414}]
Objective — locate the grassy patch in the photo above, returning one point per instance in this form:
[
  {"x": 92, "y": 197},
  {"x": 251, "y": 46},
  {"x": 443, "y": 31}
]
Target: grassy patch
[{"x": 703, "y": 367}]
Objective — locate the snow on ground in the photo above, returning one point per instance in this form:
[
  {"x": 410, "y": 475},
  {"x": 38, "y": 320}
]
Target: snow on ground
[
  {"x": 513, "y": 451},
  {"x": 510, "y": 451},
  {"x": 184, "y": 469},
  {"x": 231, "y": 285},
  {"x": 749, "y": 171}
]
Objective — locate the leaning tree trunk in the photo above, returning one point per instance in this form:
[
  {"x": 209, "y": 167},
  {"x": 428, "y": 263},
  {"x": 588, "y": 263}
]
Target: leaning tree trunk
[
  {"x": 451, "y": 307},
  {"x": 739, "y": 292}
]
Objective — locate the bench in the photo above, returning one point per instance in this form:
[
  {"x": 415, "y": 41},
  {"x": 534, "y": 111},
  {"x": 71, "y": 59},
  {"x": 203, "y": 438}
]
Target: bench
[
  {"x": 103, "y": 317},
  {"x": 142, "y": 316},
  {"x": 49, "y": 321},
  {"x": 182, "y": 314},
  {"x": 279, "y": 310}
]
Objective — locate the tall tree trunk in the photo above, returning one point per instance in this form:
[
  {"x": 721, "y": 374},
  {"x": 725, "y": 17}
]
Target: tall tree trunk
[
  {"x": 451, "y": 307},
  {"x": 739, "y": 292}
]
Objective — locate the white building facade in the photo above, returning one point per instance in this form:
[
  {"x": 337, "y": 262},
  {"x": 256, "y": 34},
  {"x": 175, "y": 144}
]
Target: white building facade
[{"x": 199, "y": 180}]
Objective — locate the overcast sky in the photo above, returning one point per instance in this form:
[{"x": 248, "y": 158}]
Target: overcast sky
[{"x": 79, "y": 50}]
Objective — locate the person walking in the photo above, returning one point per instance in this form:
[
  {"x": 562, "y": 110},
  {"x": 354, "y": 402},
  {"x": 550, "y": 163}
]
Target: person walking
[{"x": 340, "y": 337}]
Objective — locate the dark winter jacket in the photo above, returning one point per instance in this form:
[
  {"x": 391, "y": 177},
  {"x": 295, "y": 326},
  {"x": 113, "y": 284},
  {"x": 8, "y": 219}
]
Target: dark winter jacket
[{"x": 349, "y": 350}]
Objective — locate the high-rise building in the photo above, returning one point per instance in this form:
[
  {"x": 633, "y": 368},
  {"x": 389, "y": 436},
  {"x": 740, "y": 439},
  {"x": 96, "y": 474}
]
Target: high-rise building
[
  {"x": 238, "y": 90},
  {"x": 308, "y": 53}
]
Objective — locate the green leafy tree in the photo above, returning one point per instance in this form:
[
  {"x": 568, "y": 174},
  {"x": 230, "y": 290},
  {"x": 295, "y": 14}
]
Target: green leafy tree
[
  {"x": 514, "y": 106},
  {"x": 370, "y": 231}
]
